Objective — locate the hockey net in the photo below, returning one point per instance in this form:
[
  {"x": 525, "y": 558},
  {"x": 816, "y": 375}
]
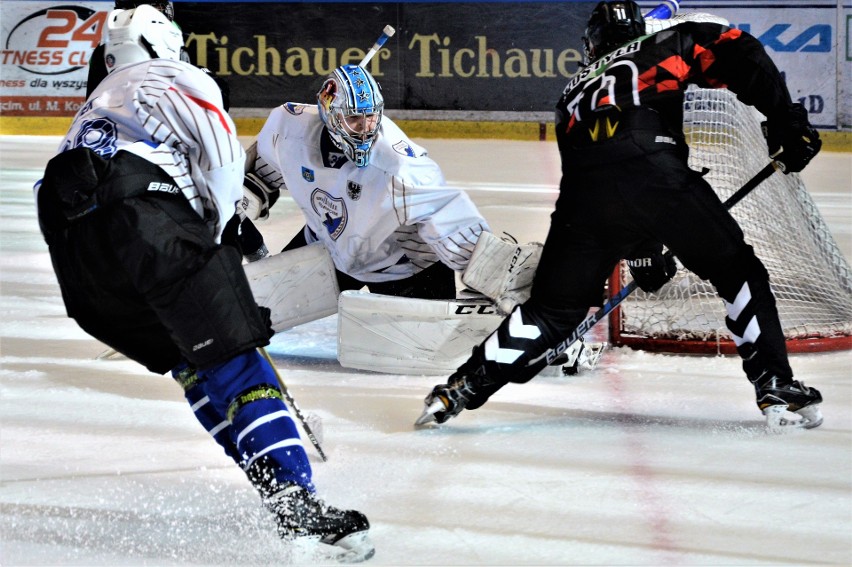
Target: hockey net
[{"x": 809, "y": 275}]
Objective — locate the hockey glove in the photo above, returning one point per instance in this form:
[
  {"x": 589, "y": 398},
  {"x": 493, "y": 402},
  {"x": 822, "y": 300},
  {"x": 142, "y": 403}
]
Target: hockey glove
[
  {"x": 793, "y": 145},
  {"x": 651, "y": 269},
  {"x": 258, "y": 197}
]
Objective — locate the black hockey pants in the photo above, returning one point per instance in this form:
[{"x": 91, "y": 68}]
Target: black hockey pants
[
  {"x": 603, "y": 213},
  {"x": 139, "y": 270}
]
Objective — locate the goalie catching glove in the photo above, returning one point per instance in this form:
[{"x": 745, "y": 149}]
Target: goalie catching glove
[
  {"x": 793, "y": 143},
  {"x": 651, "y": 268},
  {"x": 258, "y": 197}
]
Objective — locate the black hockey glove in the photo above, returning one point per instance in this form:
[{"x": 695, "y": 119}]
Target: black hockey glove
[
  {"x": 651, "y": 269},
  {"x": 794, "y": 144},
  {"x": 266, "y": 316}
]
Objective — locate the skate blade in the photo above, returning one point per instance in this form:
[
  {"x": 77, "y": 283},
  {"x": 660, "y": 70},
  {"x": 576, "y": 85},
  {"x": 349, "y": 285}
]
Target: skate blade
[
  {"x": 779, "y": 419},
  {"x": 311, "y": 549},
  {"x": 428, "y": 415},
  {"x": 353, "y": 548}
]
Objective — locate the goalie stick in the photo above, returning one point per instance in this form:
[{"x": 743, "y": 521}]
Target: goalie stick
[
  {"x": 287, "y": 396},
  {"x": 590, "y": 321},
  {"x": 386, "y": 33}
]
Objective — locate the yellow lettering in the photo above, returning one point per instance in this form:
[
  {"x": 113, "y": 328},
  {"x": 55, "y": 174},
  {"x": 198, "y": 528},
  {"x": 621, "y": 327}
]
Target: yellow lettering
[
  {"x": 263, "y": 54},
  {"x": 486, "y": 53},
  {"x": 297, "y": 62},
  {"x": 424, "y": 42},
  {"x": 458, "y": 64},
  {"x": 200, "y": 42},
  {"x": 223, "y": 57},
  {"x": 330, "y": 61},
  {"x": 517, "y": 58},
  {"x": 381, "y": 55},
  {"x": 537, "y": 70},
  {"x": 237, "y": 64},
  {"x": 565, "y": 57}
]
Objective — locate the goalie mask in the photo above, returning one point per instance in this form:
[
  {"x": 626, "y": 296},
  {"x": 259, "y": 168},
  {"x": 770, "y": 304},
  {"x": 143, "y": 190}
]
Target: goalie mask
[
  {"x": 351, "y": 104},
  {"x": 140, "y": 34},
  {"x": 611, "y": 25}
]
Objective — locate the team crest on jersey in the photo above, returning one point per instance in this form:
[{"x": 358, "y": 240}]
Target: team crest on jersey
[
  {"x": 99, "y": 135},
  {"x": 353, "y": 190},
  {"x": 294, "y": 108},
  {"x": 402, "y": 147},
  {"x": 332, "y": 212},
  {"x": 308, "y": 174}
]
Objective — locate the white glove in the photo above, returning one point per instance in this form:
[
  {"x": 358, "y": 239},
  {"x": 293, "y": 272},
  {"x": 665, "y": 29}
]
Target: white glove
[{"x": 258, "y": 197}]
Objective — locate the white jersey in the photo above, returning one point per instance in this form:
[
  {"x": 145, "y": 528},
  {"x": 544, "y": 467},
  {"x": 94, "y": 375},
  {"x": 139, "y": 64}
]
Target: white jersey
[
  {"x": 383, "y": 222},
  {"x": 170, "y": 113}
]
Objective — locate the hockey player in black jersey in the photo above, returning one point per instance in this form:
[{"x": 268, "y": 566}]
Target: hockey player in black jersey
[
  {"x": 133, "y": 209},
  {"x": 627, "y": 191}
]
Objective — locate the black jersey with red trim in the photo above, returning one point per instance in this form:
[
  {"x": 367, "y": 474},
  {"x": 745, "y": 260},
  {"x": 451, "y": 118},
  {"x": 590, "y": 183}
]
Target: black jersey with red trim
[{"x": 654, "y": 71}]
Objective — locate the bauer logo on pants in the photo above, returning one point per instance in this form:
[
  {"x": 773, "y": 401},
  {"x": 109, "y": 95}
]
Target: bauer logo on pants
[{"x": 163, "y": 187}]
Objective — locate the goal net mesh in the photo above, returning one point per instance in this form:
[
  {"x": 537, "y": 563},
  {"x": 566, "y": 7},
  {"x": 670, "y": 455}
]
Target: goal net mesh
[{"x": 809, "y": 275}]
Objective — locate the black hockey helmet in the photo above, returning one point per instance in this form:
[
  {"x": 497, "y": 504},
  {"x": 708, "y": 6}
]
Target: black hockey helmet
[
  {"x": 611, "y": 25},
  {"x": 164, "y": 6}
]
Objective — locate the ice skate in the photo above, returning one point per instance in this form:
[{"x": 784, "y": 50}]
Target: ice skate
[
  {"x": 788, "y": 404},
  {"x": 343, "y": 534},
  {"x": 446, "y": 400}
]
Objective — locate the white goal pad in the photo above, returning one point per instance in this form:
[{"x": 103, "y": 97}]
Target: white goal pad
[
  {"x": 401, "y": 335},
  {"x": 299, "y": 285}
]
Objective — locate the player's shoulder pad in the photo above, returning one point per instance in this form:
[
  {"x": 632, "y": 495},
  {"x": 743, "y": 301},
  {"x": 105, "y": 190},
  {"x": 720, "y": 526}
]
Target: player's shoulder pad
[
  {"x": 393, "y": 149},
  {"x": 197, "y": 83},
  {"x": 292, "y": 120}
]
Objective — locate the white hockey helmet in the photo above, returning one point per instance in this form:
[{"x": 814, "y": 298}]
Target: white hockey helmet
[
  {"x": 351, "y": 105},
  {"x": 140, "y": 34}
]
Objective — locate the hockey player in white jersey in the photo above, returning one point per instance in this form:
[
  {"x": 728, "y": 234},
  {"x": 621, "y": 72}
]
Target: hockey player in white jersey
[
  {"x": 375, "y": 199},
  {"x": 132, "y": 209}
]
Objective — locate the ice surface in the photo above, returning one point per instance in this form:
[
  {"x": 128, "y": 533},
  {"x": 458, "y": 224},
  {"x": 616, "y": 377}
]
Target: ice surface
[{"x": 647, "y": 460}]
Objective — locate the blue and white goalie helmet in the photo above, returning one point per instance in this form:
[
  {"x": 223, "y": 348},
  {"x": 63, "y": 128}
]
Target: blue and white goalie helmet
[
  {"x": 140, "y": 34},
  {"x": 351, "y": 105}
]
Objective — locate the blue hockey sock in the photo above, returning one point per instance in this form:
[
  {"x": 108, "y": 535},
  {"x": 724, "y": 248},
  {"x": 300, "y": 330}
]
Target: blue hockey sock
[{"x": 262, "y": 428}]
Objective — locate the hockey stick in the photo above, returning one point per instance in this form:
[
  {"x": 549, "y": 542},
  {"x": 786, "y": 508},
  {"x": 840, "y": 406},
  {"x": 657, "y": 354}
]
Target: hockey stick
[
  {"x": 386, "y": 33},
  {"x": 293, "y": 404},
  {"x": 664, "y": 11},
  {"x": 550, "y": 355}
]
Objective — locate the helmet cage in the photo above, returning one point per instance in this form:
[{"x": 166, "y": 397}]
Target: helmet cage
[
  {"x": 611, "y": 25},
  {"x": 351, "y": 106}
]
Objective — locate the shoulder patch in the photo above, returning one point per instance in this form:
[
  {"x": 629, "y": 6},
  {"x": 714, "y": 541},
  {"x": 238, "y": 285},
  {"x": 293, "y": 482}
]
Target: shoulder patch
[
  {"x": 308, "y": 174},
  {"x": 294, "y": 108},
  {"x": 402, "y": 147}
]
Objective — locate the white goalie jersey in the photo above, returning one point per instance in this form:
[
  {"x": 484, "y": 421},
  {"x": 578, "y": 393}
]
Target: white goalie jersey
[
  {"x": 383, "y": 222},
  {"x": 170, "y": 113}
]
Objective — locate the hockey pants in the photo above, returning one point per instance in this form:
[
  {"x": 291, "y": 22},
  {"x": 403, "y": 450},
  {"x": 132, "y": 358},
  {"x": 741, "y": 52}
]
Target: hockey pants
[{"x": 604, "y": 213}]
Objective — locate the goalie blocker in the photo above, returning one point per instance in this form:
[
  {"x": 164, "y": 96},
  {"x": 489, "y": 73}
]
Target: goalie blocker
[{"x": 298, "y": 286}]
